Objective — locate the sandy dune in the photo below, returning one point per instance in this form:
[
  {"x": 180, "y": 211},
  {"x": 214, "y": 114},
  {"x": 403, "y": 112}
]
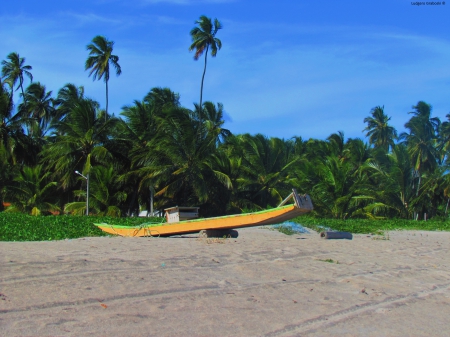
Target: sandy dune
[{"x": 263, "y": 283}]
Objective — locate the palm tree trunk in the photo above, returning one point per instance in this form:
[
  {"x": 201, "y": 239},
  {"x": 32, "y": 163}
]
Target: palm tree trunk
[
  {"x": 133, "y": 200},
  {"x": 203, "y": 77},
  {"x": 23, "y": 96},
  {"x": 418, "y": 184},
  {"x": 106, "y": 99}
]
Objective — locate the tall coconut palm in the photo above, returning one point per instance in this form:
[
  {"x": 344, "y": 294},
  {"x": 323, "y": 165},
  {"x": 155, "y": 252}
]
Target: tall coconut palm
[
  {"x": 14, "y": 70},
  {"x": 380, "y": 133},
  {"x": 99, "y": 61},
  {"x": 203, "y": 38}
]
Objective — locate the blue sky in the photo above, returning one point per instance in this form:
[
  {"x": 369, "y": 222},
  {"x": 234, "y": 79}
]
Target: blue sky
[{"x": 286, "y": 68}]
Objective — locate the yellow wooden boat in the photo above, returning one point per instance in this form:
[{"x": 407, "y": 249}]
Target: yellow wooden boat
[{"x": 302, "y": 204}]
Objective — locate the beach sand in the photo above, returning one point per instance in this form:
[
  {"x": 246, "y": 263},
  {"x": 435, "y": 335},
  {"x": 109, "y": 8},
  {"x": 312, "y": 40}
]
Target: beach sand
[{"x": 262, "y": 283}]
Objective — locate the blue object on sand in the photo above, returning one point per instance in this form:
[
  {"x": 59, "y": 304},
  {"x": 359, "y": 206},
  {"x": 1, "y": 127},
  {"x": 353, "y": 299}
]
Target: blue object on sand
[{"x": 293, "y": 226}]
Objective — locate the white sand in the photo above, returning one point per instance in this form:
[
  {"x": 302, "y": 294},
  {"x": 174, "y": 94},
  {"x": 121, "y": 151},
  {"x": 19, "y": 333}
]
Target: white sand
[{"x": 263, "y": 283}]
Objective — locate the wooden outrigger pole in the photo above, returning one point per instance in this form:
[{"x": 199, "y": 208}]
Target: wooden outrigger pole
[{"x": 302, "y": 204}]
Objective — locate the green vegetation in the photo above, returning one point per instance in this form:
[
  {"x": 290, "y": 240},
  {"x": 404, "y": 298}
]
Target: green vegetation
[
  {"x": 329, "y": 261},
  {"x": 155, "y": 151},
  {"x": 366, "y": 226},
  {"x": 23, "y": 227}
]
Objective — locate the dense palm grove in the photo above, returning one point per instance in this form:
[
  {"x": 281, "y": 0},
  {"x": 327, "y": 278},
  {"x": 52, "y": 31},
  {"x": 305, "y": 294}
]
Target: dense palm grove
[{"x": 185, "y": 156}]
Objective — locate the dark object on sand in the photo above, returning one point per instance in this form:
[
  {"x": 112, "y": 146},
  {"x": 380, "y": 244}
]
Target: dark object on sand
[
  {"x": 218, "y": 233},
  {"x": 336, "y": 235}
]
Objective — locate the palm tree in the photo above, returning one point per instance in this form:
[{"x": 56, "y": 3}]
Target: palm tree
[
  {"x": 33, "y": 192},
  {"x": 422, "y": 114},
  {"x": 422, "y": 140},
  {"x": 12, "y": 135},
  {"x": 394, "y": 177},
  {"x": 336, "y": 145},
  {"x": 67, "y": 97},
  {"x": 337, "y": 185},
  {"x": 6, "y": 172},
  {"x": 161, "y": 98},
  {"x": 444, "y": 140},
  {"x": 136, "y": 133},
  {"x": 6, "y": 108},
  {"x": 433, "y": 194},
  {"x": 380, "y": 133},
  {"x": 422, "y": 144},
  {"x": 13, "y": 71},
  {"x": 99, "y": 60},
  {"x": 82, "y": 140},
  {"x": 358, "y": 152},
  {"x": 179, "y": 164},
  {"x": 204, "y": 37},
  {"x": 39, "y": 110},
  {"x": 105, "y": 196},
  {"x": 234, "y": 198},
  {"x": 212, "y": 117},
  {"x": 134, "y": 141},
  {"x": 268, "y": 169}
]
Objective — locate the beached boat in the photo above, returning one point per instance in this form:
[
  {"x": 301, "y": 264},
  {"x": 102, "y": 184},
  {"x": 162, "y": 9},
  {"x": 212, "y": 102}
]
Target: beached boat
[{"x": 302, "y": 204}]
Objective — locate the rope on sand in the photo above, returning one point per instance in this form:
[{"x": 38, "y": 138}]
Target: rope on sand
[{"x": 144, "y": 227}]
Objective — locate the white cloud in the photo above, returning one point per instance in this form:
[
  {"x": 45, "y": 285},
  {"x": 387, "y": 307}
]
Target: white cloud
[{"x": 89, "y": 18}]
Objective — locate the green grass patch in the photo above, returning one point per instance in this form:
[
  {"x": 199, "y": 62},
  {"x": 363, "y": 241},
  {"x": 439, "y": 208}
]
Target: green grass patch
[
  {"x": 329, "y": 261},
  {"x": 23, "y": 227},
  {"x": 376, "y": 227}
]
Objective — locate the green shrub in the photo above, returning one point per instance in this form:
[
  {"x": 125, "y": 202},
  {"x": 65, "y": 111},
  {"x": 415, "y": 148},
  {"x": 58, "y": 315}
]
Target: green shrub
[
  {"x": 366, "y": 226},
  {"x": 23, "y": 227}
]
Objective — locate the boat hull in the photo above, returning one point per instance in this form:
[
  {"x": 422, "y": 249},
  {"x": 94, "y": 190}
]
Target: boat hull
[{"x": 268, "y": 217}]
